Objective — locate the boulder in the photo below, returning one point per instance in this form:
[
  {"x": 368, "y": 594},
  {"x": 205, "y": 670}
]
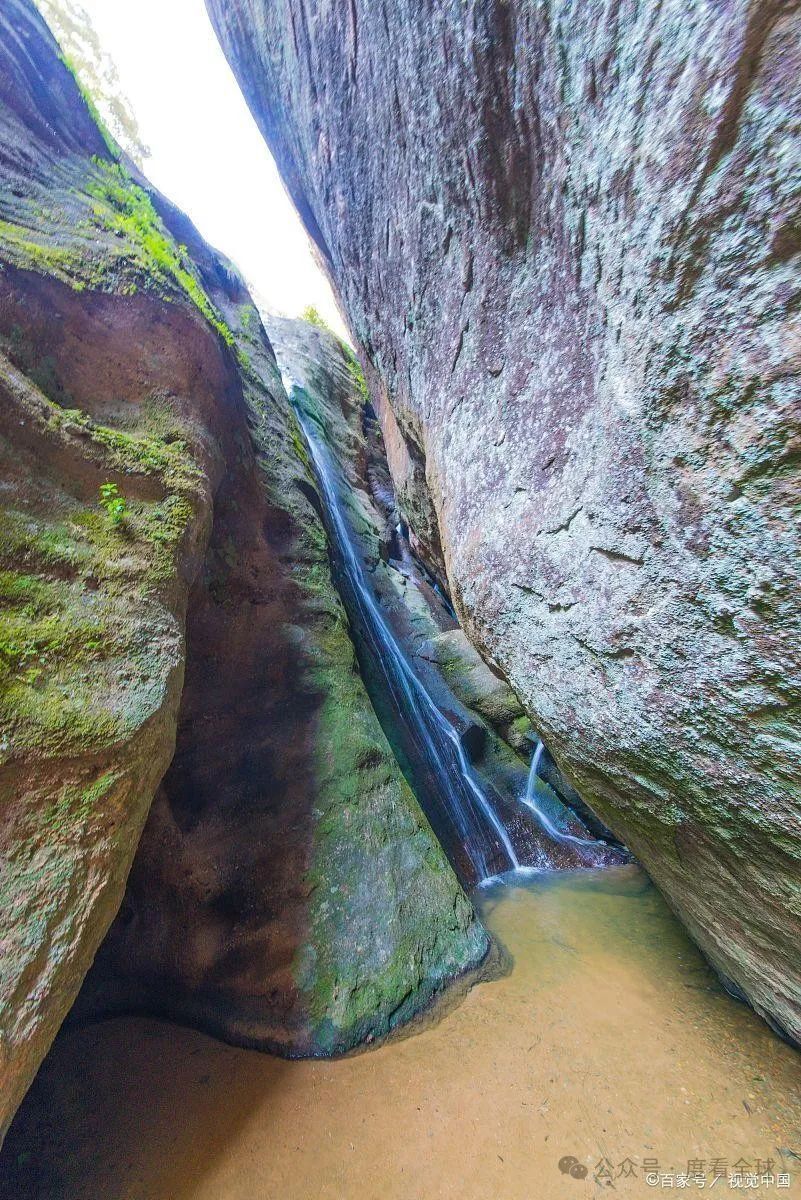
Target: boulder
[{"x": 566, "y": 239}]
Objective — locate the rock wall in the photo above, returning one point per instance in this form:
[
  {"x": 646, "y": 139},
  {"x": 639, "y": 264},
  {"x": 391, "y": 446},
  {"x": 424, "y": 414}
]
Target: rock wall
[
  {"x": 288, "y": 893},
  {"x": 566, "y": 236},
  {"x": 484, "y": 711},
  {"x": 288, "y": 890}
]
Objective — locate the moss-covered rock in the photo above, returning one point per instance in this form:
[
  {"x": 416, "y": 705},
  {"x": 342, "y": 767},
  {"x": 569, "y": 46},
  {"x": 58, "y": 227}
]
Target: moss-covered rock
[
  {"x": 330, "y": 392},
  {"x": 150, "y": 467},
  {"x": 94, "y": 391},
  {"x": 288, "y": 892}
]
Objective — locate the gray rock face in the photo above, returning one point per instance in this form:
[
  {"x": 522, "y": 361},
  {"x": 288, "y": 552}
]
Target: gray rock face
[{"x": 567, "y": 238}]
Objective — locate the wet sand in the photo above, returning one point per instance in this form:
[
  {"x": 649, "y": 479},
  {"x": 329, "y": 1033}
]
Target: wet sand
[{"x": 609, "y": 1039}]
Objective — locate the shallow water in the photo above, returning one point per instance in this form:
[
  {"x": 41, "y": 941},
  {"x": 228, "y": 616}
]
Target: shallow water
[{"x": 609, "y": 1039}]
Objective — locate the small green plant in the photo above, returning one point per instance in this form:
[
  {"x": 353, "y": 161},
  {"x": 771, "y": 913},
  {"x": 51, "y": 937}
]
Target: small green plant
[
  {"x": 114, "y": 503},
  {"x": 356, "y": 372},
  {"x": 313, "y": 317}
]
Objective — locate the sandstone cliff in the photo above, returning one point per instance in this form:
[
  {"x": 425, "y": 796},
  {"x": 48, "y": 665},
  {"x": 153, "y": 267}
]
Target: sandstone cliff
[
  {"x": 566, "y": 236},
  {"x": 151, "y": 467}
]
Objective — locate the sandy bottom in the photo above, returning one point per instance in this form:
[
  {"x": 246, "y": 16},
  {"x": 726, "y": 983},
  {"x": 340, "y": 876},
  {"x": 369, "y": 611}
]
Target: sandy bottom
[{"x": 609, "y": 1040}]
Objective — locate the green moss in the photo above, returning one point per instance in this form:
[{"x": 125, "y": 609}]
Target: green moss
[
  {"x": 376, "y": 863},
  {"x": 50, "y": 716},
  {"x": 313, "y": 317},
  {"x": 51, "y": 639},
  {"x": 356, "y": 373},
  {"x": 123, "y": 208},
  {"x": 164, "y": 525},
  {"x": 299, "y": 444},
  {"x": 518, "y": 729},
  {"x": 27, "y": 643},
  {"x": 71, "y": 592},
  {"x": 139, "y": 453},
  {"x": 370, "y": 834},
  {"x": 23, "y": 250},
  {"x": 61, "y": 240},
  {"x": 27, "y": 541},
  {"x": 250, "y": 319},
  {"x": 75, "y": 806},
  {"x": 87, "y": 543},
  {"x": 32, "y": 594},
  {"x": 111, "y": 145}
]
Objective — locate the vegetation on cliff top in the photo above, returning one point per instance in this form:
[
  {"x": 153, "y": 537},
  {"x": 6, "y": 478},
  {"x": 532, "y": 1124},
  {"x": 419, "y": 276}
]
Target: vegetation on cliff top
[
  {"x": 312, "y": 317},
  {"x": 55, "y": 232},
  {"x": 126, "y": 210}
]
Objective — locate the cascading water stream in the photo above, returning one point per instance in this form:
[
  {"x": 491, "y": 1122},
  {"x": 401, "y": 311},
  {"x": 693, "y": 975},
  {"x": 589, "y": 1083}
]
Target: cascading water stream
[
  {"x": 484, "y": 837},
  {"x": 531, "y": 802}
]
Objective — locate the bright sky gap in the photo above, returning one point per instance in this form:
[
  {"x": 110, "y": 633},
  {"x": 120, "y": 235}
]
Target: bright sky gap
[{"x": 206, "y": 152}]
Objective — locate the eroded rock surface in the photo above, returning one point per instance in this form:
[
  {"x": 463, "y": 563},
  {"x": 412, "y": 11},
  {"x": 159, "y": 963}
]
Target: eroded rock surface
[
  {"x": 288, "y": 889},
  {"x": 567, "y": 239},
  {"x": 288, "y": 892},
  {"x": 421, "y": 672}
]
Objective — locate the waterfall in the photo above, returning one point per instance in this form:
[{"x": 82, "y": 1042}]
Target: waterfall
[
  {"x": 483, "y": 835},
  {"x": 533, "y": 774},
  {"x": 531, "y": 802}
]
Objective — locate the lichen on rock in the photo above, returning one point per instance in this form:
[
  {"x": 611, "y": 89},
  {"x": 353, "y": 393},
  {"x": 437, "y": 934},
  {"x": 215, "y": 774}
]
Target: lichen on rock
[{"x": 566, "y": 239}]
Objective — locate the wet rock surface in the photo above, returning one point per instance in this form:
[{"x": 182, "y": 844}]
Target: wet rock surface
[
  {"x": 406, "y": 633},
  {"x": 288, "y": 893},
  {"x": 566, "y": 237}
]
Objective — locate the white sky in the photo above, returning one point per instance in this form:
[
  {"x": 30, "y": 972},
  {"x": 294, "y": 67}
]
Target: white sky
[{"x": 208, "y": 156}]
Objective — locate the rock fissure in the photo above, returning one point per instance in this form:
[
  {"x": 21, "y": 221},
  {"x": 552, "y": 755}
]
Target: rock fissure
[{"x": 279, "y": 641}]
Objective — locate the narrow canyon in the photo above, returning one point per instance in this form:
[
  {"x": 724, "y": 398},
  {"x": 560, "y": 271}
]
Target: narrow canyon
[{"x": 421, "y": 704}]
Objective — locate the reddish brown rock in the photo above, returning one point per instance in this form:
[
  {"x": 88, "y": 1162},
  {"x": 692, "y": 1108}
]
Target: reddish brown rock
[{"x": 288, "y": 889}]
